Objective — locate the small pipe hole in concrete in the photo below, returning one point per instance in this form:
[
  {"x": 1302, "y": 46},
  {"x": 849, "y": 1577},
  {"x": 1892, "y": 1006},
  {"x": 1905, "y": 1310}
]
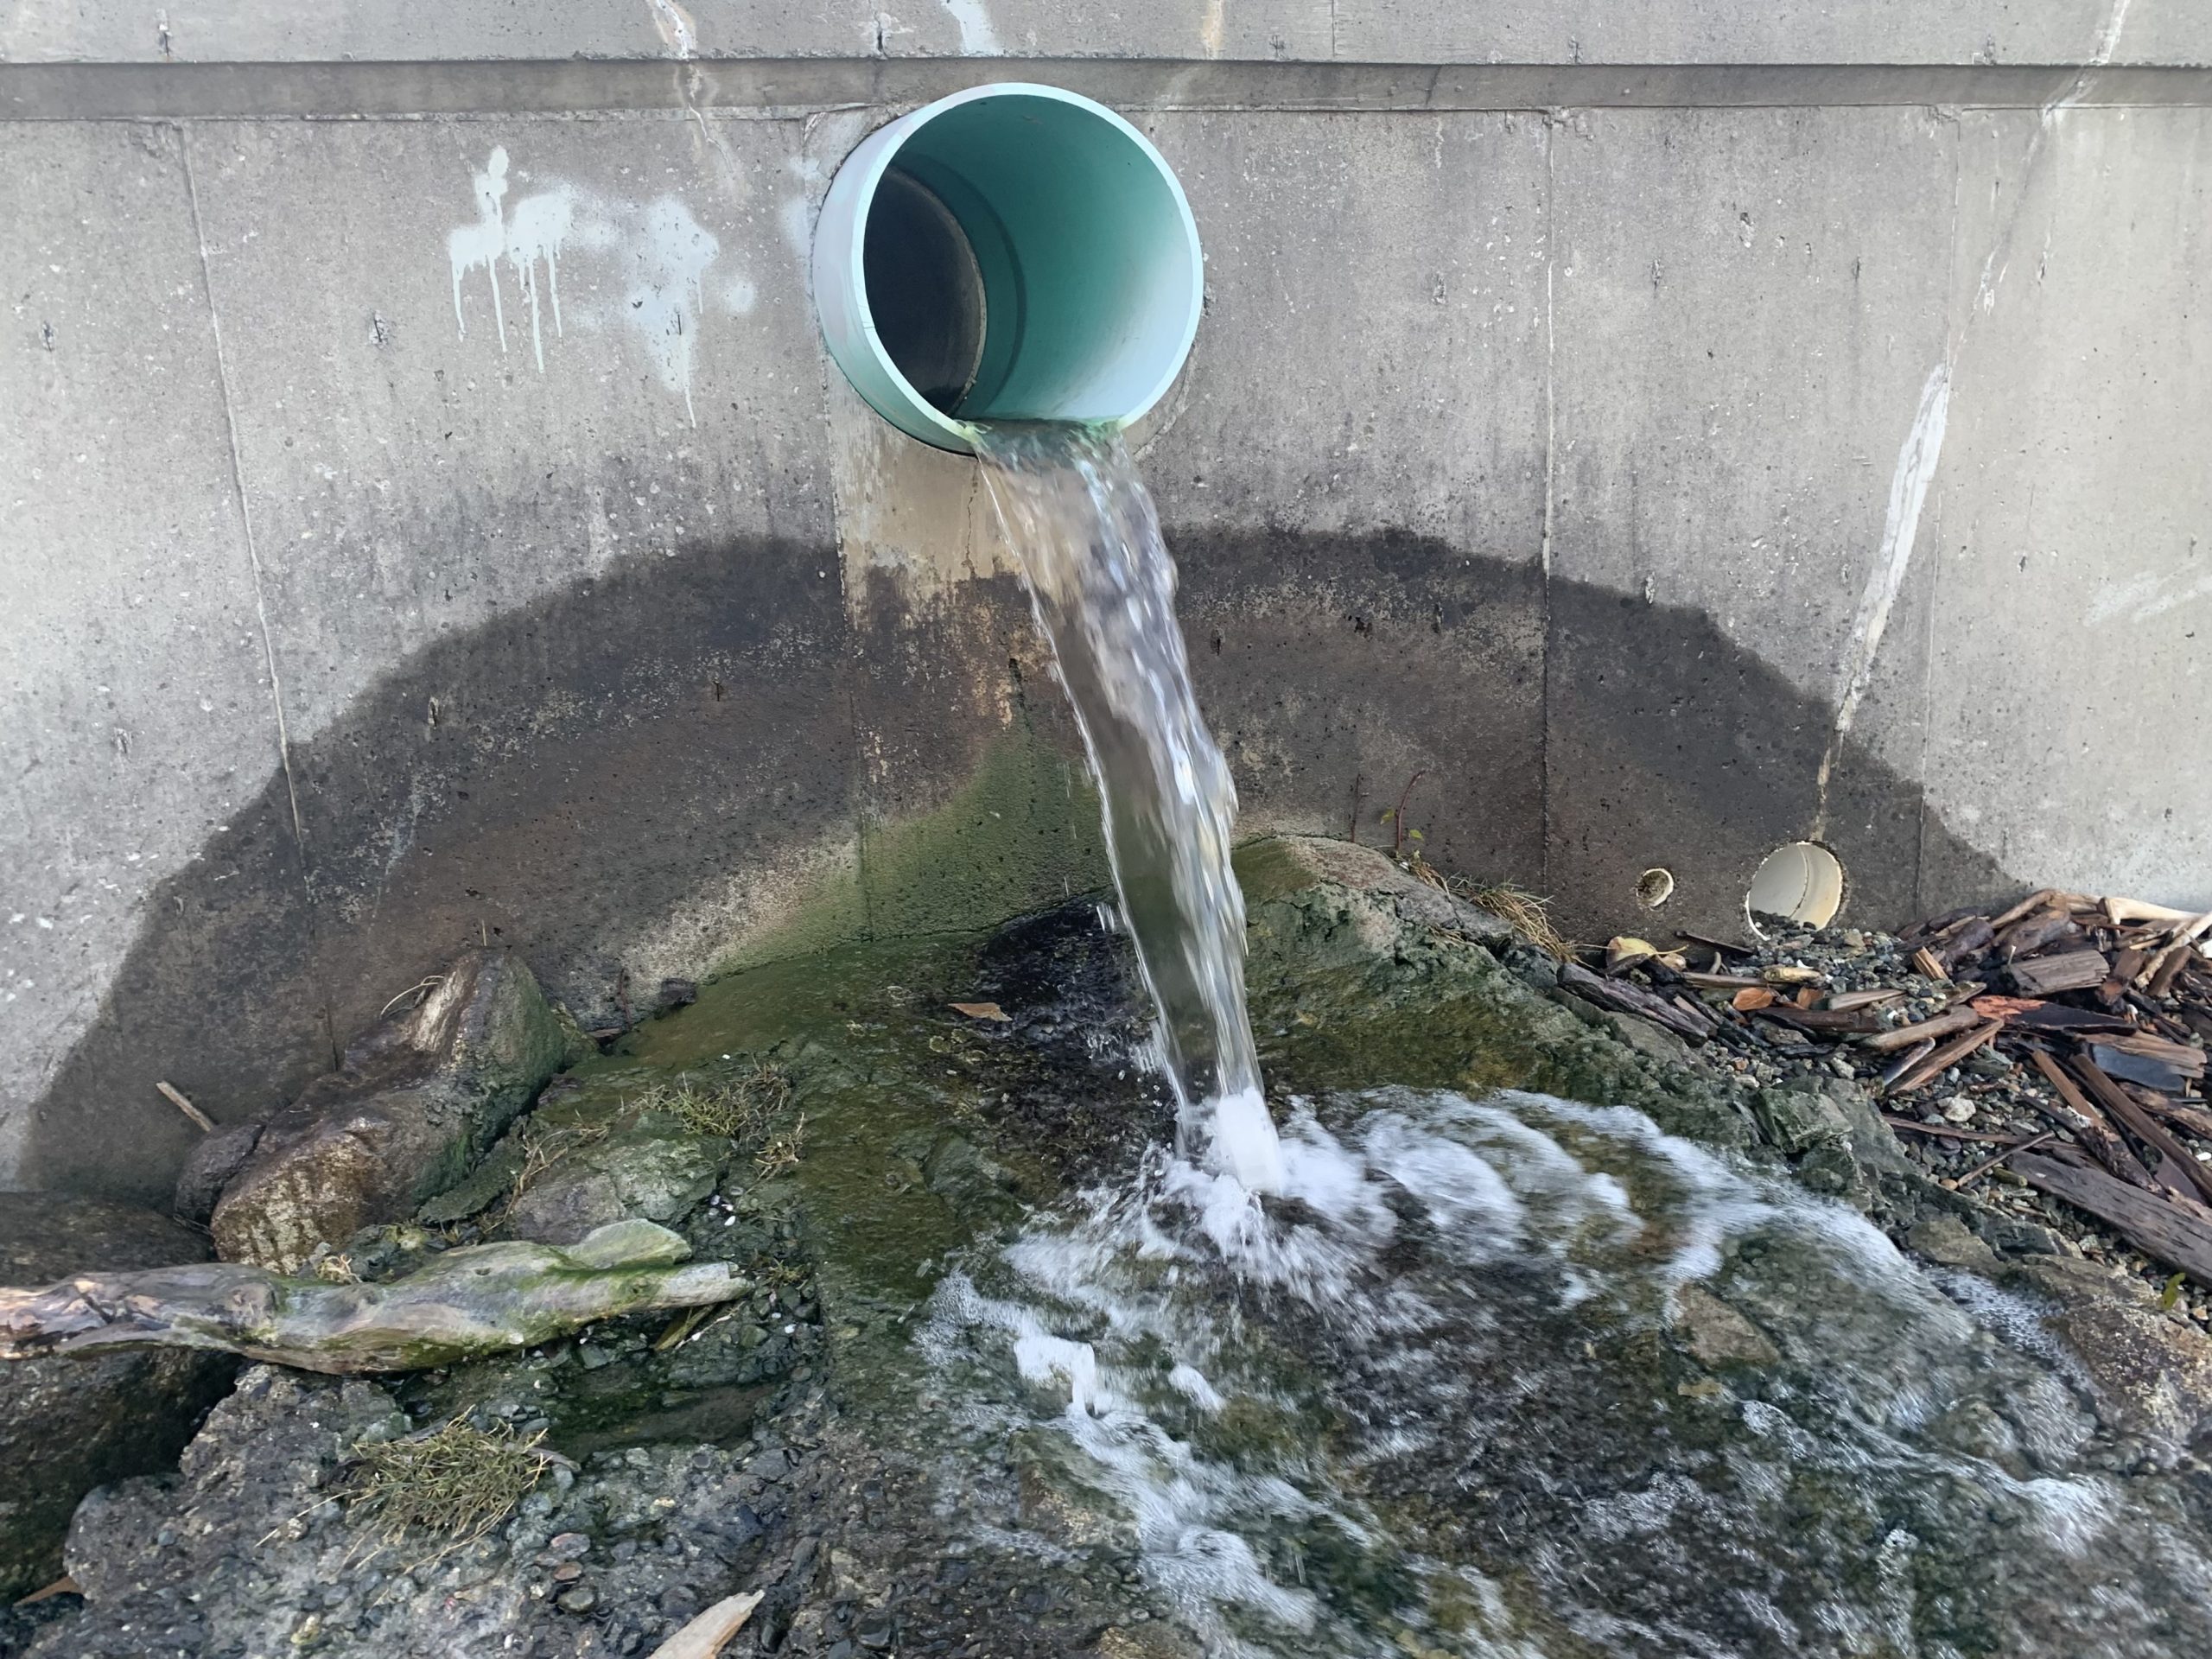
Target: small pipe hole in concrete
[
  {"x": 1800, "y": 882},
  {"x": 925, "y": 290},
  {"x": 1654, "y": 888}
]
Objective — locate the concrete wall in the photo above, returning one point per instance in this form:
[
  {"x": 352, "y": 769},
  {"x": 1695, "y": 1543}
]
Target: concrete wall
[{"x": 1671, "y": 430}]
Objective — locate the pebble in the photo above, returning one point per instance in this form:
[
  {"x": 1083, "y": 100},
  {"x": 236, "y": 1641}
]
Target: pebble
[
  {"x": 1959, "y": 1109},
  {"x": 579, "y": 1598}
]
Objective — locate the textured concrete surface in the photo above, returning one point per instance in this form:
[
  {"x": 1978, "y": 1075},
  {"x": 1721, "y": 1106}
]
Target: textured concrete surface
[
  {"x": 1395, "y": 31},
  {"x": 1657, "y": 483}
]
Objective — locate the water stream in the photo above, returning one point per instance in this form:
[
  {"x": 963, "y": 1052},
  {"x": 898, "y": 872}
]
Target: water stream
[
  {"x": 1102, "y": 586},
  {"x": 1430, "y": 1374}
]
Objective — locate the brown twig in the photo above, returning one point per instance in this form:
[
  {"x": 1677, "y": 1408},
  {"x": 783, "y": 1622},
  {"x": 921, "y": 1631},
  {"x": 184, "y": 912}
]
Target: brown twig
[
  {"x": 1999, "y": 1156},
  {"x": 1945, "y": 1131},
  {"x": 1398, "y": 813},
  {"x": 175, "y": 1097}
]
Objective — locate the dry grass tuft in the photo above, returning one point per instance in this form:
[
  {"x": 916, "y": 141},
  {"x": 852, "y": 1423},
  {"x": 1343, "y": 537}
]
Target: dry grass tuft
[
  {"x": 738, "y": 1111},
  {"x": 456, "y": 1484},
  {"x": 543, "y": 1146},
  {"x": 1523, "y": 910},
  {"x": 782, "y": 1152}
]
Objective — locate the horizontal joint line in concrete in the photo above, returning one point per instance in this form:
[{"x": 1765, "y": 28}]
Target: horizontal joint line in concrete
[{"x": 68, "y": 92}]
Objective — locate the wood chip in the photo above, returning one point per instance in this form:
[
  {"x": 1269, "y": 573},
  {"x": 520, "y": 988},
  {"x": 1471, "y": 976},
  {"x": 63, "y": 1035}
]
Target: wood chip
[
  {"x": 2195, "y": 1119},
  {"x": 1904, "y": 1063},
  {"x": 1943, "y": 1025},
  {"x": 175, "y": 1097},
  {"x": 2168, "y": 1067},
  {"x": 2145, "y": 1128},
  {"x": 2122, "y": 910},
  {"x": 2159, "y": 979},
  {"x": 64, "y": 1585},
  {"x": 2033, "y": 933},
  {"x": 2161, "y": 1231},
  {"x": 1789, "y": 974},
  {"x": 2027, "y": 1014},
  {"x": 1752, "y": 997},
  {"x": 1970, "y": 940},
  {"x": 1843, "y": 1001},
  {"x": 1625, "y": 996},
  {"x": 1720, "y": 982},
  {"x": 2042, "y": 898},
  {"x": 1928, "y": 965},
  {"x": 2078, "y": 1113},
  {"x": 1847, "y": 1022},
  {"x": 981, "y": 1011},
  {"x": 2068, "y": 971},
  {"x": 706, "y": 1636},
  {"x": 1949, "y": 1055}
]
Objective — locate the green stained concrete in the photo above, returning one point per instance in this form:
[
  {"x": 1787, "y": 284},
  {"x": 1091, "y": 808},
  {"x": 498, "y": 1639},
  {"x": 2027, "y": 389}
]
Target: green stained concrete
[{"x": 1022, "y": 833}]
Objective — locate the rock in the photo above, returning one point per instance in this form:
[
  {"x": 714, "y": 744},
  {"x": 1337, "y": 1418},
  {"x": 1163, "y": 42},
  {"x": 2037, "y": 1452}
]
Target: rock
[
  {"x": 211, "y": 1166},
  {"x": 68, "y": 1424},
  {"x": 650, "y": 1168},
  {"x": 1946, "y": 1241},
  {"x": 1959, "y": 1109},
  {"x": 418, "y": 1100},
  {"x": 1796, "y": 1120},
  {"x": 239, "y": 1548},
  {"x": 1651, "y": 1041},
  {"x": 1351, "y": 957},
  {"x": 1716, "y": 1334},
  {"x": 2153, "y": 1374}
]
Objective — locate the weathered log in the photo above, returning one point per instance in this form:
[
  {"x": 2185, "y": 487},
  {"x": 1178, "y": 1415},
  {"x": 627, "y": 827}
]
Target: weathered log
[
  {"x": 486, "y": 1299},
  {"x": 2163, "y": 1231}
]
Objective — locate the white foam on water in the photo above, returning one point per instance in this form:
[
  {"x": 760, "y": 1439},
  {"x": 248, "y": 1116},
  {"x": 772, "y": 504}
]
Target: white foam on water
[{"x": 1152, "y": 1312}]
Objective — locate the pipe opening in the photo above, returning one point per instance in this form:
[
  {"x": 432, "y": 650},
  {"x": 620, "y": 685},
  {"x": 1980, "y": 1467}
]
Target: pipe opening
[
  {"x": 925, "y": 290},
  {"x": 1010, "y": 253},
  {"x": 1800, "y": 881}
]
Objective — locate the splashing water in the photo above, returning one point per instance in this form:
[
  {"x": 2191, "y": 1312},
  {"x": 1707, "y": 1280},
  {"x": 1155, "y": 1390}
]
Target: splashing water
[
  {"x": 1508, "y": 1378},
  {"x": 1103, "y": 590},
  {"x": 1498, "y": 1378}
]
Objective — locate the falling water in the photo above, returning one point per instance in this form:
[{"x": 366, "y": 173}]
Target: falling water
[{"x": 1103, "y": 588}]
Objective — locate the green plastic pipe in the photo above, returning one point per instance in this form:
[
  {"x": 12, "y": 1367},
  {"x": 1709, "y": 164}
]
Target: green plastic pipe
[{"x": 1013, "y": 252}]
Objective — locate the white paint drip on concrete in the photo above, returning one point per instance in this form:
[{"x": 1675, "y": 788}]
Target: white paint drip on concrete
[
  {"x": 1213, "y": 28},
  {"x": 978, "y": 38},
  {"x": 470, "y": 246},
  {"x": 663, "y": 305},
  {"x": 1915, "y": 471},
  {"x": 2143, "y": 598},
  {"x": 676, "y": 27},
  {"x": 535, "y": 232},
  {"x": 669, "y": 255}
]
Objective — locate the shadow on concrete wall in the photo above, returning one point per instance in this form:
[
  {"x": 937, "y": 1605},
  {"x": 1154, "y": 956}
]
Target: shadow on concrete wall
[{"x": 592, "y": 769}]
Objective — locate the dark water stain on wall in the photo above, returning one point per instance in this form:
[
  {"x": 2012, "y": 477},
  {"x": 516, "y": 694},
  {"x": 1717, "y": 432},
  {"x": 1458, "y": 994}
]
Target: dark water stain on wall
[{"x": 596, "y": 767}]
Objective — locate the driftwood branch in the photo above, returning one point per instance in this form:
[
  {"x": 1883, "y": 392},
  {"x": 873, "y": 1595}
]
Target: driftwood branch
[{"x": 483, "y": 1299}]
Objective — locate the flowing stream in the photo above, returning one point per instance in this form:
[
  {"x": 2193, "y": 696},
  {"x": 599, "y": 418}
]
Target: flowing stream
[
  {"x": 1433, "y": 1374},
  {"x": 1102, "y": 586}
]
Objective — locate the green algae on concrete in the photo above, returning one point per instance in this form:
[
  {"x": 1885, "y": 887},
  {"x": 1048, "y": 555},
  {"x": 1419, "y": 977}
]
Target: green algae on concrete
[
  {"x": 1359, "y": 974},
  {"x": 1021, "y": 833}
]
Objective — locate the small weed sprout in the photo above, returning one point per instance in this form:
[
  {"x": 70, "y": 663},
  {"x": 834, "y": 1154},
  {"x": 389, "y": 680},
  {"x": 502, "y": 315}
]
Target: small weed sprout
[{"x": 455, "y": 1484}]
